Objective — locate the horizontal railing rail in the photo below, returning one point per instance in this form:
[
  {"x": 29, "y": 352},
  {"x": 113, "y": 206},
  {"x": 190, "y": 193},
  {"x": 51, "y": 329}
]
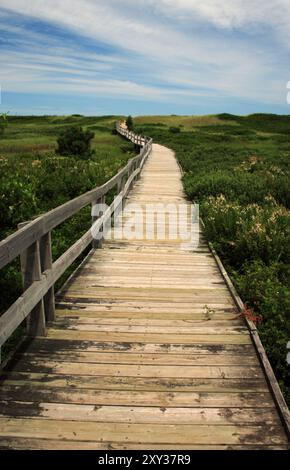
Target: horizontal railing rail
[
  {"x": 135, "y": 138},
  {"x": 32, "y": 242}
]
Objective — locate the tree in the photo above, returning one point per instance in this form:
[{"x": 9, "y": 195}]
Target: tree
[
  {"x": 130, "y": 123},
  {"x": 76, "y": 142},
  {"x": 3, "y": 122}
]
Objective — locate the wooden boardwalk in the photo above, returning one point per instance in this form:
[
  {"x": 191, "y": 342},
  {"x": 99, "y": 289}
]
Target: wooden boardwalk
[{"x": 147, "y": 351}]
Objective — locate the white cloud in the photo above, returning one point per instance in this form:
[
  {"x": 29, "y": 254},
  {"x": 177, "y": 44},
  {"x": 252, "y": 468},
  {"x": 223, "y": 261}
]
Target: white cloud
[
  {"x": 241, "y": 14},
  {"x": 94, "y": 87},
  {"x": 123, "y": 28},
  {"x": 164, "y": 50}
]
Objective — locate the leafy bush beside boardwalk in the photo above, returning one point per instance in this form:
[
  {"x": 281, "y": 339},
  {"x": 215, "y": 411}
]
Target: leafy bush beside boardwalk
[{"x": 237, "y": 168}]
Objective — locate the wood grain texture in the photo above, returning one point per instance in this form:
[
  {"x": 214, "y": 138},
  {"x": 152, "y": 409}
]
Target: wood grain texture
[{"x": 142, "y": 433}]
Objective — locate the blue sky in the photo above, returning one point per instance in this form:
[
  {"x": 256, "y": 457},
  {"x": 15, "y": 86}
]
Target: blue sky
[{"x": 144, "y": 56}]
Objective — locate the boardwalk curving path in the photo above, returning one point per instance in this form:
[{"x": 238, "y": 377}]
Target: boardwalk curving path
[{"x": 148, "y": 352}]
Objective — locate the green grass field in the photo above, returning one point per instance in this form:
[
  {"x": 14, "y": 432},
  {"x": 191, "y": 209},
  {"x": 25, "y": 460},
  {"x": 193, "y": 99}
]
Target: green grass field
[
  {"x": 187, "y": 123},
  {"x": 28, "y": 136}
]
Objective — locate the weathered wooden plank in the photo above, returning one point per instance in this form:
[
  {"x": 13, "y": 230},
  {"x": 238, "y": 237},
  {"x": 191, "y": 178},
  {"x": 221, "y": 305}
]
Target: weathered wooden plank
[
  {"x": 136, "y": 283},
  {"x": 116, "y": 257},
  {"x": 96, "y": 294},
  {"x": 141, "y": 433},
  {"x": 8, "y": 443},
  {"x": 109, "y": 312},
  {"x": 165, "y": 338},
  {"x": 106, "y": 382},
  {"x": 141, "y": 414},
  {"x": 179, "y": 360},
  {"x": 50, "y": 345},
  {"x": 136, "y": 370},
  {"x": 179, "y": 293},
  {"x": 145, "y": 329},
  {"x": 90, "y": 276},
  {"x": 144, "y": 322},
  {"x": 130, "y": 306},
  {"x": 155, "y": 278}
]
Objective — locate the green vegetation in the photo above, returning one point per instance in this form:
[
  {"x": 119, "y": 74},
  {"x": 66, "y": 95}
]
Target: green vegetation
[
  {"x": 34, "y": 180},
  {"x": 174, "y": 130},
  {"x": 3, "y": 123},
  {"x": 237, "y": 168},
  {"x": 74, "y": 141},
  {"x": 130, "y": 123}
]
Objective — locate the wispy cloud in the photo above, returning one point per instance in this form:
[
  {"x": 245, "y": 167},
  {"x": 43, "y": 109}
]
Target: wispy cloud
[
  {"x": 225, "y": 14},
  {"x": 161, "y": 50}
]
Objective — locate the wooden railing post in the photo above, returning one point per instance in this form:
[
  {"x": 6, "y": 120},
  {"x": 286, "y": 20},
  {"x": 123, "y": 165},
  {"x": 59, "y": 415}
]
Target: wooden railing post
[
  {"x": 46, "y": 263},
  {"x": 139, "y": 174},
  {"x": 132, "y": 169},
  {"x": 94, "y": 218},
  {"x": 136, "y": 166},
  {"x": 120, "y": 185},
  {"x": 96, "y": 244},
  {"x": 31, "y": 272}
]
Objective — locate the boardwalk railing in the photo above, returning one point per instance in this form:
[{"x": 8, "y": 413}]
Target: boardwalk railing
[{"x": 32, "y": 242}]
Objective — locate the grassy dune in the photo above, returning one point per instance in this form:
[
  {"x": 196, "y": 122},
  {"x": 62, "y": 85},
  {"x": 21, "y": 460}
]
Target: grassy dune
[{"x": 188, "y": 123}]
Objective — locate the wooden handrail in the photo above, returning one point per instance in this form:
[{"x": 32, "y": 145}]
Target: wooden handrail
[{"x": 32, "y": 242}]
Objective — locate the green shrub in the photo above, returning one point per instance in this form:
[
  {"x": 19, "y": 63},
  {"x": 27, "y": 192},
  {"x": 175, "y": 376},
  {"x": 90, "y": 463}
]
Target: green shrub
[
  {"x": 260, "y": 284},
  {"x": 3, "y": 123},
  {"x": 245, "y": 188},
  {"x": 76, "y": 142},
  {"x": 17, "y": 202},
  {"x": 174, "y": 130},
  {"x": 130, "y": 123},
  {"x": 248, "y": 232}
]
